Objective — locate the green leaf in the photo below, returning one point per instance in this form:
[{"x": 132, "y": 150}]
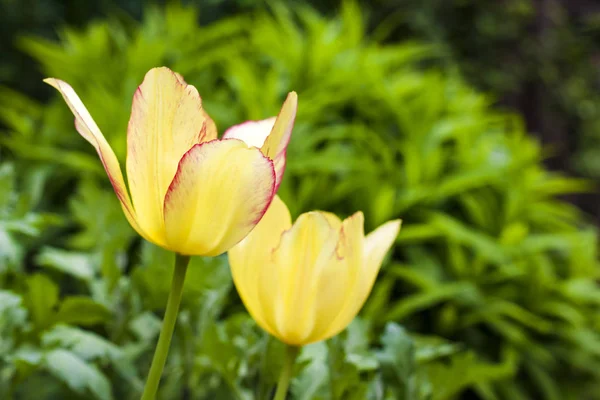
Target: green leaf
[
  {"x": 81, "y": 310},
  {"x": 462, "y": 372},
  {"x": 13, "y": 317},
  {"x": 398, "y": 362},
  {"x": 78, "y": 375},
  {"x": 91, "y": 347},
  {"x": 41, "y": 299},
  {"x": 77, "y": 265},
  {"x": 85, "y": 345},
  {"x": 314, "y": 374},
  {"x": 146, "y": 326},
  {"x": 434, "y": 296}
]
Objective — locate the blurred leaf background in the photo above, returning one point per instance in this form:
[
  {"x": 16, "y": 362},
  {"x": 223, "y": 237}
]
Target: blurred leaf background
[{"x": 407, "y": 109}]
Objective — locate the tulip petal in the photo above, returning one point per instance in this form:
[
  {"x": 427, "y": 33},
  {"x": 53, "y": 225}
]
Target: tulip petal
[
  {"x": 211, "y": 128},
  {"x": 279, "y": 137},
  {"x": 334, "y": 220},
  {"x": 220, "y": 192},
  {"x": 167, "y": 119},
  {"x": 253, "y": 254},
  {"x": 271, "y": 135},
  {"x": 339, "y": 283},
  {"x": 305, "y": 251},
  {"x": 375, "y": 246},
  {"x": 275, "y": 145},
  {"x": 253, "y": 133},
  {"x": 85, "y": 125}
]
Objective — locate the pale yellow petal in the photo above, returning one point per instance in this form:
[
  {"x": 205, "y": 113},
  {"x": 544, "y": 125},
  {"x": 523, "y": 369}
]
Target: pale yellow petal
[
  {"x": 86, "y": 126},
  {"x": 279, "y": 137},
  {"x": 350, "y": 251},
  {"x": 211, "y": 128},
  {"x": 375, "y": 246},
  {"x": 254, "y": 254},
  {"x": 304, "y": 252},
  {"x": 275, "y": 145},
  {"x": 331, "y": 284},
  {"x": 378, "y": 243},
  {"x": 166, "y": 121},
  {"x": 220, "y": 192},
  {"x": 279, "y": 164},
  {"x": 334, "y": 220},
  {"x": 332, "y": 288}
]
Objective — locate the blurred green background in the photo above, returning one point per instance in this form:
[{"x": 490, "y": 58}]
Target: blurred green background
[{"x": 476, "y": 122}]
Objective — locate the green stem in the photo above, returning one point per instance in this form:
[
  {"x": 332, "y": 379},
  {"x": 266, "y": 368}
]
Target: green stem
[
  {"x": 166, "y": 332},
  {"x": 286, "y": 372}
]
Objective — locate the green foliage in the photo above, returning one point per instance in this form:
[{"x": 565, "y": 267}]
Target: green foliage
[
  {"x": 538, "y": 57},
  {"x": 494, "y": 276}
]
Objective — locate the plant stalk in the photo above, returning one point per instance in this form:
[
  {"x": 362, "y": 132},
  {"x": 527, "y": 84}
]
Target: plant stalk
[
  {"x": 286, "y": 372},
  {"x": 166, "y": 332}
]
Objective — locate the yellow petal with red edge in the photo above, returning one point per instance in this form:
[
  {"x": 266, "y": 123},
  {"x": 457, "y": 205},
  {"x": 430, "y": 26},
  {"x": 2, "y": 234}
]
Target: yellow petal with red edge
[
  {"x": 211, "y": 128},
  {"x": 220, "y": 192},
  {"x": 86, "y": 126},
  {"x": 279, "y": 136},
  {"x": 253, "y": 254},
  {"x": 254, "y": 133},
  {"x": 167, "y": 119},
  {"x": 275, "y": 145},
  {"x": 374, "y": 248}
]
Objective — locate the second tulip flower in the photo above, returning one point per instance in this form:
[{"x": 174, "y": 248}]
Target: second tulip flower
[{"x": 306, "y": 282}]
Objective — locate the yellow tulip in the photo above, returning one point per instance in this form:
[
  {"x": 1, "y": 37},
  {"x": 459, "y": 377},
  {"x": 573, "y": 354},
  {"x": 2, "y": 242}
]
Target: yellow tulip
[
  {"x": 306, "y": 282},
  {"x": 191, "y": 193}
]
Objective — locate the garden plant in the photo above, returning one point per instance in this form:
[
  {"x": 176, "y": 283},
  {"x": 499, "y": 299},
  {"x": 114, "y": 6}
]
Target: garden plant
[{"x": 489, "y": 291}]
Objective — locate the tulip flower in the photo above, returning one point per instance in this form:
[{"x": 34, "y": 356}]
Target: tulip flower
[
  {"x": 191, "y": 193},
  {"x": 306, "y": 282}
]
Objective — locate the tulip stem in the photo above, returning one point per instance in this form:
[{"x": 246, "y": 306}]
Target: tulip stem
[
  {"x": 286, "y": 372},
  {"x": 166, "y": 332}
]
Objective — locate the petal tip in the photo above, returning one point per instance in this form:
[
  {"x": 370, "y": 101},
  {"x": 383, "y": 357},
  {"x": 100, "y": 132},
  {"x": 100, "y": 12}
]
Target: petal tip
[
  {"x": 55, "y": 83},
  {"x": 395, "y": 224},
  {"x": 358, "y": 215},
  {"x": 292, "y": 101}
]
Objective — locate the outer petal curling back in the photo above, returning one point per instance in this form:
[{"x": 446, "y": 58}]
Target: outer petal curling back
[
  {"x": 85, "y": 125},
  {"x": 221, "y": 190}
]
